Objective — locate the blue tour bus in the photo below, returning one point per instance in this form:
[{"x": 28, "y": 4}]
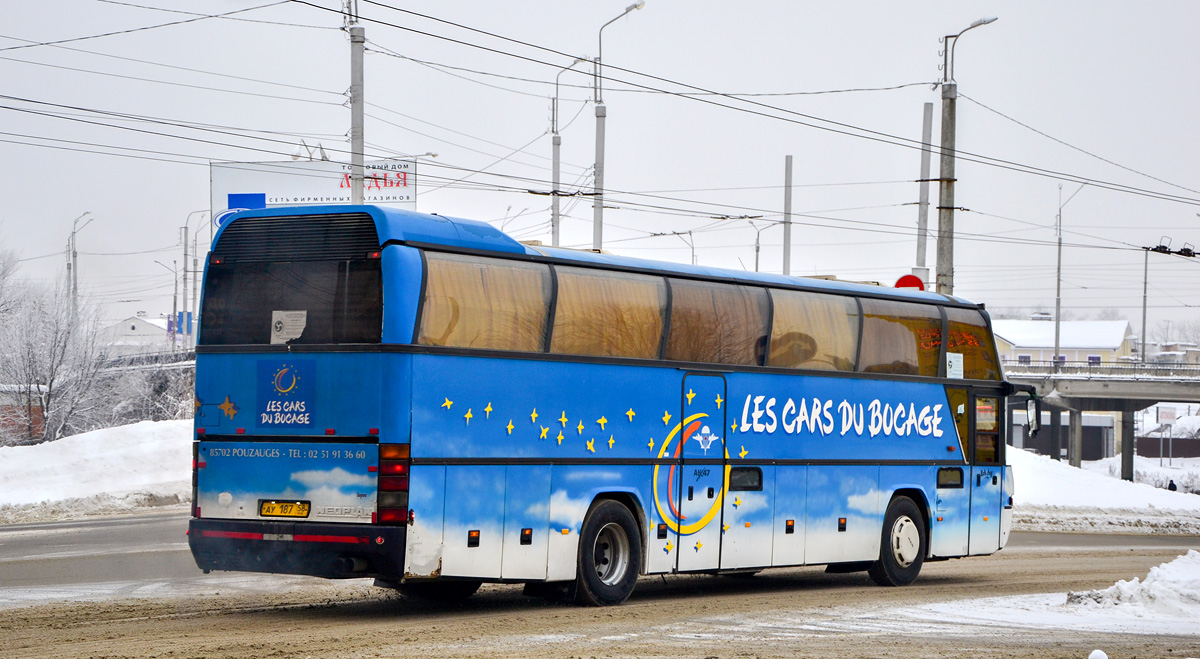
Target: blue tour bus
[{"x": 426, "y": 401}]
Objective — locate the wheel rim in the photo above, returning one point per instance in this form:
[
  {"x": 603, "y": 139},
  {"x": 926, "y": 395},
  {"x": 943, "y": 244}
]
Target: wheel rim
[
  {"x": 906, "y": 541},
  {"x": 611, "y": 554}
]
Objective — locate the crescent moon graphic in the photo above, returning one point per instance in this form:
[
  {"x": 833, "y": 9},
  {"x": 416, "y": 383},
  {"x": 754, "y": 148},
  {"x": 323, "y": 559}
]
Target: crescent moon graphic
[
  {"x": 671, "y": 518},
  {"x": 279, "y": 381}
]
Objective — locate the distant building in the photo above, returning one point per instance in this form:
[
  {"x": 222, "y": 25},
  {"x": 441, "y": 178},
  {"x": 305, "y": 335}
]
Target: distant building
[
  {"x": 15, "y": 418},
  {"x": 134, "y": 336},
  {"x": 1088, "y": 341}
]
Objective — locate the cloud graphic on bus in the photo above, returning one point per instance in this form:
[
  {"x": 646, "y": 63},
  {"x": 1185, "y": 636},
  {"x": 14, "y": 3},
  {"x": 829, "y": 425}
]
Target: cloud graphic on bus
[{"x": 335, "y": 478}]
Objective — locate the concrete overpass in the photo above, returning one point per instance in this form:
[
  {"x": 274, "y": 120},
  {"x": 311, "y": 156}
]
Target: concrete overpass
[{"x": 1124, "y": 388}]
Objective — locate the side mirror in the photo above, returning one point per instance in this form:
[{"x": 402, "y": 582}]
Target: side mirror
[{"x": 1033, "y": 412}]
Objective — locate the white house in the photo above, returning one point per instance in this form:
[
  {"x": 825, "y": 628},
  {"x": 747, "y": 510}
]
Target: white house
[{"x": 135, "y": 335}]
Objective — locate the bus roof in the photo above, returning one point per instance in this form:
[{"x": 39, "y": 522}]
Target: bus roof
[{"x": 410, "y": 227}]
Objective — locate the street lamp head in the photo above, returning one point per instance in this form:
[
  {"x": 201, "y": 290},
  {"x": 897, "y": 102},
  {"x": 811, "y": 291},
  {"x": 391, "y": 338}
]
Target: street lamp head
[
  {"x": 642, "y": 3},
  {"x": 983, "y": 21}
]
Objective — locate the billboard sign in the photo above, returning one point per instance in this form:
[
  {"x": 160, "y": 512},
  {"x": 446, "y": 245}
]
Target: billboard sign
[{"x": 250, "y": 185}]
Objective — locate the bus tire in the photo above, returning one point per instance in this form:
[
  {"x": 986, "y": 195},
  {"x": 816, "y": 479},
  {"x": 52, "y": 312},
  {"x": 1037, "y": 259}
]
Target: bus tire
[
  {"x": 444, "y": 591},
  {"x": 610, "y": 555},
  {"x": 903, "y": 546}
]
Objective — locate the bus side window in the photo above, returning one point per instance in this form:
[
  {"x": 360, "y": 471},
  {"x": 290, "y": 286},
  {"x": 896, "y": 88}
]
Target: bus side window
[
  {"x": 608, "y": 314},
  {"x": 489, "y": 304},
  {"x": 814, "y": 331},
  {"x": 745, "y": 479},
  {"x": 900, "y": 338},
  {"x": 717, "y": 323},
  {"x": 950, "y": 477},
  {"x": 971, "y": 337}
]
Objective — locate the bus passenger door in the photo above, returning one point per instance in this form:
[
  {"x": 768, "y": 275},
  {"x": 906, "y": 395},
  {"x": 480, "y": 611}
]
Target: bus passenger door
[
  {"x": 701, "y": 484},
  {"x": 987, "y": 472}
]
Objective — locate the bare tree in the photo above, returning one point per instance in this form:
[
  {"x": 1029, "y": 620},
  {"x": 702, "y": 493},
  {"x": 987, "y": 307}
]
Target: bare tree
[
  {"x": 1110, "y": 313},
  {"x": 49, "y": 362}
]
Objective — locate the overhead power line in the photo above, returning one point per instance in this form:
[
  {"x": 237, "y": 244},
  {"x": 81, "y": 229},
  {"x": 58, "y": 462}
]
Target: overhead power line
[{"x": 760, "y": 109}]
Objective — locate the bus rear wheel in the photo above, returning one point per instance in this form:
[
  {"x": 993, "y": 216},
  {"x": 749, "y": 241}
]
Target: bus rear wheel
[
  {"x": 903, "y": 546},
  {"x": 610, "y": 555}
]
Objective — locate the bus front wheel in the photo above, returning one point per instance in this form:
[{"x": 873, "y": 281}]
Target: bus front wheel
[
  {"x": 610, "y": 555},
  {"x": 902, "y": 550}
]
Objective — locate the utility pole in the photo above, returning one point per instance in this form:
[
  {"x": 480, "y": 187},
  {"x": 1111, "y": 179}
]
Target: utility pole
[
  {"x": 73, "y": 258},
  {"x": 358, "y": 37},
  {"x": 921, "y": 270},
  {"x": 556, "y": 141},
  {"x": 945, "y": 240},
  {"x": 787, "y": 218},
  {"x": 1058, "y": 275},
  {"x": 945, "y": 246},
  {"x": 601, "y": 115},
  {"x": 1163, "y": 247}
]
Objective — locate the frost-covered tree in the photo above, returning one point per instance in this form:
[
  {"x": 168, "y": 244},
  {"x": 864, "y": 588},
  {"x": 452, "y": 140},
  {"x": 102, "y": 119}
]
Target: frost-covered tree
[{"x": 49, "y": 361}]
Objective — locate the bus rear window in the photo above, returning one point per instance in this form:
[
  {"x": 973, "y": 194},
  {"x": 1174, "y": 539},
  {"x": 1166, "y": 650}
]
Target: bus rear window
[{"x": 297, "y": 302}]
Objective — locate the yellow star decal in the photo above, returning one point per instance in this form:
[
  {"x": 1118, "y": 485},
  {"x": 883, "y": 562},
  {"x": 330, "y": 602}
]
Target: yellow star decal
[
  {"x": 743, "y": 453},
  {"x": 666, "y": 417},
  {"x": 651, "y": 444},
  {"x": 580, "y": 427},
  {"x": 737, "y": 501},
  {"x": 630, "y": 414},
  {"x": 509, "y": 426},
  {"x": 734, "y": 426},
  {"x": 448, "y": 403},
  {"x": 690, "y": 395},
  {"x": 725, "y": 528},
  {"x": 228, "y": 407},
  {"x": 591, "y": 445},
  {"x": 560, "y": 438},
  {"x": 669, "y": 547},
  {"x": 468, "y": 416},
  {"x": 719, "y": 401},
  {"x": 488, "y": 411},
  {"x": 533, "y": 416},
  {"x": 611, "y": 441},
  {"x": 602, "y": 421},
  {"x": 563, "y": 419},
  {"x": 544, "y": 431},
  {"x": 699, "y": 545},
  {"x": 198, "y": 403}
]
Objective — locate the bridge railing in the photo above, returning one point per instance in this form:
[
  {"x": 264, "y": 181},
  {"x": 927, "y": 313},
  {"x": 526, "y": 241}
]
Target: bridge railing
[{"x": 1103, "y": 369}]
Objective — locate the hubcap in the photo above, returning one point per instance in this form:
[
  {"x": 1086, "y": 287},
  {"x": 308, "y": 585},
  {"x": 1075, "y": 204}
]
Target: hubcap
[
  {"x": 611, "y": 554},
  {"x": 906, "y": 541}
]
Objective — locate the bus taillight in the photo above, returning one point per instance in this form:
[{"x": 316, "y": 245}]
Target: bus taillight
[{"x": 392, "y": 501}]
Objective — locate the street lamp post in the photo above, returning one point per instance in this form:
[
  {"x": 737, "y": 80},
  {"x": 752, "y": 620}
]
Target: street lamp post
[
  {"x": 557, "y": 144},
  {"x": 1058, "y": 275},
  {"x": 945, "y": 244},
  {"x": 601, "y": 114},
  {"x": 73, "y": 263},
  {"x": 186, "y": 309}
]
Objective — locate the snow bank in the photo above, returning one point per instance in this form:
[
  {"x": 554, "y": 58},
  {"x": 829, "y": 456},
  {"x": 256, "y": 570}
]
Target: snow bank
[
  {"x": 1184, "y": 471},
  {"x": 1054, "y": 496},
  {"x": 112, "y": 470},
  {"x": 1171, "y": 589}
]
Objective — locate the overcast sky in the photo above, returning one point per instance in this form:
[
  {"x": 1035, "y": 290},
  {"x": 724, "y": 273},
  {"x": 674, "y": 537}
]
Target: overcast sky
[{"x": 1107, "y": 92}]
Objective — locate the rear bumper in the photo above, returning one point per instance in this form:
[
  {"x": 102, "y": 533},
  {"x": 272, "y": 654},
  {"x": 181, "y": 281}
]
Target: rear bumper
[{"x": 334, "y": 551}]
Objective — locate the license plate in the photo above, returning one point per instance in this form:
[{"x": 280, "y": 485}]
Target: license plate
[{"x": 283, "y": 508}]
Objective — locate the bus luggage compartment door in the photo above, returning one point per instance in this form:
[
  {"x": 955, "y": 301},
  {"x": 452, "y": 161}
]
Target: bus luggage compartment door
[{"x": 700, "y": 486}]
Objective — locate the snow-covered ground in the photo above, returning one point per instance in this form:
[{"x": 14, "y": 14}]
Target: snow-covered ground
[
  {"x": 116, "y": 470},
  {"x": 1053, "y": 496}
]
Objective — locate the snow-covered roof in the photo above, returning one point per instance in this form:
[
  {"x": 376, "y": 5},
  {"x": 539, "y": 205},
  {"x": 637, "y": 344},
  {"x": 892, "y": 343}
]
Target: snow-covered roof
[{"x": 1073, "y": 334}]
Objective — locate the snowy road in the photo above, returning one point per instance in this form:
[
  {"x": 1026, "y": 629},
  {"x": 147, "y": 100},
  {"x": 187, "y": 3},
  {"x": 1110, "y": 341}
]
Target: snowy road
[{"x": 1010, "y": 604}]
